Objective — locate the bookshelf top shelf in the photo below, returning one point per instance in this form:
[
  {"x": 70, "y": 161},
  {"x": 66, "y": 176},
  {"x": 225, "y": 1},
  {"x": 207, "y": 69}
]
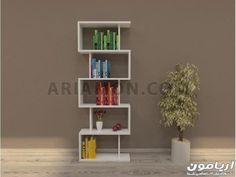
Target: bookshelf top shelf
[
  {"x": 102, "y": 24},
  {"x": 82, "y": 51}
]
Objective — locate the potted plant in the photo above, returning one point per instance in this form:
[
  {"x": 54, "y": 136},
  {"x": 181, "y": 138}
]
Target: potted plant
[
  {"x": 178, "y": 107},
  {"x": 99, "y": 115}
]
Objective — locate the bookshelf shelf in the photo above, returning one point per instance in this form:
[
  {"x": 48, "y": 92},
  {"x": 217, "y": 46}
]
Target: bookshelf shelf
[
  {"x": 103, "y": 79},
  {"x": 91, "y": 51},
  {"x": 105, "y": 131},
  {"x": 91, "y": 105},
  {"x": 82, "y": 49}
]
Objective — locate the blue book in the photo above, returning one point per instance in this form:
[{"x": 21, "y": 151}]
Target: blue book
[
  {"x": 99, "y": 40},
  {"x": 101, "y": 69},
  {"x": 93, "y": 68},
  {"x": 108, "y": 69},
  {"x": 104, "y": 69},
  {"x": 98, "y": 66}
]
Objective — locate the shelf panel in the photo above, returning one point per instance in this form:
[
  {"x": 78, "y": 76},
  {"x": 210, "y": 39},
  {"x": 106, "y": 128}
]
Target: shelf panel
[
  {"x": 109, "y": 157},
  {"x": 103, "y": 24},
  {"x": 91, "y": 51},
  {"x": 91, "y": 105},
  {"x": 105, "y": 131},
  {"x": 106, "y": 79}
]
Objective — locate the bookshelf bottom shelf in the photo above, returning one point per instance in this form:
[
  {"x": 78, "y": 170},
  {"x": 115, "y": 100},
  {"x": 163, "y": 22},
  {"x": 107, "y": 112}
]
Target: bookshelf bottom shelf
[{"x": 109, "y": 157}]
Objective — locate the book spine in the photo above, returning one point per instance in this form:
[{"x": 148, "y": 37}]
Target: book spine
[
  {"x": 101, "y": 38},
  {"x": 95, "y": 39},
  {"x": 111, "y": 41},
  {"x": 101, "y": 69},
  {"x": 114, "y": 41},
  {"x": 104, "y": 69},
  {"x": 105, "y": 42},
  {"x": 93, "y": 68},
  {"x": 108, "y": 69},
  {"x": 99, "y": 94},
  {"x": 108, "y": 39},
  {"x": 87, "y": 147},
  {"x": 83, "y": 150},
  {"x": 117, "y": 41},
  {"x": 98, "y": 69}
]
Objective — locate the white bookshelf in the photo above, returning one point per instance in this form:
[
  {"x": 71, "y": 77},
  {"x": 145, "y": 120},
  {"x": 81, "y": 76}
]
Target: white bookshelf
[{"x": 103, "y": 157}]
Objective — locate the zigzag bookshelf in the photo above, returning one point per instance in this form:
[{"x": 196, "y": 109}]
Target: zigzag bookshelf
[{"x": 85, "y": 46}]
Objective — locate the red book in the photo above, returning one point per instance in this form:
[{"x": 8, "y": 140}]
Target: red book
[
  {"x": 99, "y": 94},
  {"x": 114, "y": 96}
]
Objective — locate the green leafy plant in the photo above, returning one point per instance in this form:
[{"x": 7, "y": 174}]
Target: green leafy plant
[
  {"x": 178, "y": 98},
  {"x": 99, "y": 114}
]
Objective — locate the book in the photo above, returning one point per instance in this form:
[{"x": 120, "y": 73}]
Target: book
[
  {"x": 117, "y": 41},
  {"x": 93, "y": 41},
  {"x": 108, "y": 69},
  {"x": 86, "y": 148},
  {"x": 109, "y": 93},
  {"x": 101, "y": 38},
  {"x": 101, "y": 69},
  {"x": 114, "y": 41},
  {"x": 98, "y": 69},
  {"x": 105, "y": 42},
  {"x": 115, "y": 96},
  {"x": 92, "y": 148},
  {"x": 93, "y": 68},
  {"x": 96, "y": 39},
  {"x": 99, "y": 96},
  {"x": 83, "y": 150},
  {"x": 99, "y": 41},
  {"x": 108, "y": 39},
  {"x": 111, "y": 41},
  {"x": 104, "y": 73}
]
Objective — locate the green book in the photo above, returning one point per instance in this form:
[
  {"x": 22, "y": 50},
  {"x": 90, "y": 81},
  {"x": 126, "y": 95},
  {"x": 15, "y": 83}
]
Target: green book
[
  {"x": 117, "y": 42},
  {"x": 101, "y": 38},
  {"x": 108, "y": 39},
  {"x": 96, "y": 39},
  {"x": 105, "y": 42},
  {"x": 114, "y": 41},
  {"x": 94, "y": 46}
]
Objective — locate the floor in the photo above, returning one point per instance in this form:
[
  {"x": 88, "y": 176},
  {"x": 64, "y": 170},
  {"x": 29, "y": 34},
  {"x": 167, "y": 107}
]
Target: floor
[{"x": 66, "y": 165}]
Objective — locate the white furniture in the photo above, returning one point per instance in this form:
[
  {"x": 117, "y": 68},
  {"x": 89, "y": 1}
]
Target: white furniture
[{"x": 83, "y": 25}]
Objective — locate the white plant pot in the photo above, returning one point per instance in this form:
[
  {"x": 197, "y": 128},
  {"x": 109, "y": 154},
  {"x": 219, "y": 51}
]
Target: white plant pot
[
  {"x": 180, "y": 151},
  {"x": 99, "y": 125}
]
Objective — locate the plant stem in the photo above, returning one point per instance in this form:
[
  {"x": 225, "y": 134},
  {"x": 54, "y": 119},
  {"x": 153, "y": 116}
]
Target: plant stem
[{"x": 180, "y": 133}]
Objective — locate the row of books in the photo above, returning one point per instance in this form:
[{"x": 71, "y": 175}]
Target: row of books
[
  {"x": 105, "y": 41},
  {"x": 100, "y": 68},
  {"x": 89, "y": 148},
  {"x": 107, "y": 94}
]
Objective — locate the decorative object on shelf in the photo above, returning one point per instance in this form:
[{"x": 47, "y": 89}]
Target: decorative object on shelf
[
  {"x": 116, "y": 127},
  {"x": 102, "y": 41},
  {"x": 99, "y": 115},
  {"x": 89, "y": 148},
  {"x": 179, "y": 107},
  {"x": 106, "y": 94},
  {"x": 100, "y": 68}
]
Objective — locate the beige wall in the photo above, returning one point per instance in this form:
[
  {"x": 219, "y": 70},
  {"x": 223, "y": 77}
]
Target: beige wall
[{"x": 39, "y": 47}]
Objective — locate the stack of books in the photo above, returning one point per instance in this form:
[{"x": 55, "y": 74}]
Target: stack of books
[
  {"x": 106, "y": 94},
  {"x": 105, "y": 40},
  {"x": 89, "y": 148},
  {"x": 100, "y": 68}
]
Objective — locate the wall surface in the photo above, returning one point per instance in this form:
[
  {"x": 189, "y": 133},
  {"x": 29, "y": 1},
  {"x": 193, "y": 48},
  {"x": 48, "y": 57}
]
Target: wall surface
[{"x": 39, "y": 47}]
